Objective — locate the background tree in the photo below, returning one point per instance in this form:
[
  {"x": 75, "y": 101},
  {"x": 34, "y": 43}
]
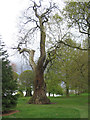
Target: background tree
[
  {"x": 77, "y": 14},
  {"x": 53, "y": 82},
  {"x": 80, "y": 74},
  {"x": 9, "y": 84},
  {"x": 19, "y": 86},
  {"x": 62, "y": 64},
  {"x": 71, "y": 68},
  {"x": 26, "y": 81}
]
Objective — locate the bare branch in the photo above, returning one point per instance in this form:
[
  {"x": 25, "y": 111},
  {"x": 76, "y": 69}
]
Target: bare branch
[
  {"x": 45, "y": 15},
  {"x": 35, "y": 9},
  {"x": 31, "y": 20},
  {"x": 82, "y": 31},
  {"x": 62, "y": 42},
  {"x": 51, "y": 56},
  {"x": 31, "y": 59},
  {"x": 31, "y": 55},
  {"x": 48, "y": 10},
  {"x": 46, "y": 20},
  {"x": 24, "y": 50},
  {"x": 29, "y": 31},
  {"x": 46, "y": 63}
]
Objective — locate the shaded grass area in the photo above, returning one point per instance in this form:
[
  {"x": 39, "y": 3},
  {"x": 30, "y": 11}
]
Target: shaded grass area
[{"x": 64, "y": 107}]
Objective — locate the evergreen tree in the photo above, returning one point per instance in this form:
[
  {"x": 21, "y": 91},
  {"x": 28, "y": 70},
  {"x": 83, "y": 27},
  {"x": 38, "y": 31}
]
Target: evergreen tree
[{"x": 9, "y": 84}]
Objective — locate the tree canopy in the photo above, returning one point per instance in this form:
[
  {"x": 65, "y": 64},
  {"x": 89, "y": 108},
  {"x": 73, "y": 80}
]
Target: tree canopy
[
  {"x": 77, "y": 14},
  {"x": 71, "y": 67}
]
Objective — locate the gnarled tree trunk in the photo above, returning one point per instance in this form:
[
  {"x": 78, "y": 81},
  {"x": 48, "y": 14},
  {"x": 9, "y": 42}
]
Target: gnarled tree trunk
[{"x": 39, "y": 96}]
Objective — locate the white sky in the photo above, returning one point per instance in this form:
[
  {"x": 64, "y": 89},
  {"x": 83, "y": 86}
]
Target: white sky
[{"x": 10, "y": 10}]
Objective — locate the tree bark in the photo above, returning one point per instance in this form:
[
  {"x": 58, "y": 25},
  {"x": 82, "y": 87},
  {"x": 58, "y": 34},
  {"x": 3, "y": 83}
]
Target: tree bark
[
  {"x": 53, "y": 94},
  {"x": 28, "y": 92},
  {"x": 49, "y": 94},
  {"x": 39, "y": 96},
  {"x": 67, "y": 90}
]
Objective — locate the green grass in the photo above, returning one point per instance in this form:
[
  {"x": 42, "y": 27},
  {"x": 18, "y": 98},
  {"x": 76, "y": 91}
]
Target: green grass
[{"x": 65, "y": 107}]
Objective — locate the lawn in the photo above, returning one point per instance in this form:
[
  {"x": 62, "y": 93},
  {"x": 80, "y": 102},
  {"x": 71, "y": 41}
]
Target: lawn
[{"x": 64, "y": 107}]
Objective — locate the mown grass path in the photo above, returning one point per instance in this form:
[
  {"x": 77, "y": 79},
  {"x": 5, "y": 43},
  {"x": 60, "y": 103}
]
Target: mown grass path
[{"x": 64, "y": 107}]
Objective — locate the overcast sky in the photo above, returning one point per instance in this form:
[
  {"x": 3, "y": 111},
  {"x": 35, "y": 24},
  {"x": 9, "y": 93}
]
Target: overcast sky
[{"x": 10, "y": 11}]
